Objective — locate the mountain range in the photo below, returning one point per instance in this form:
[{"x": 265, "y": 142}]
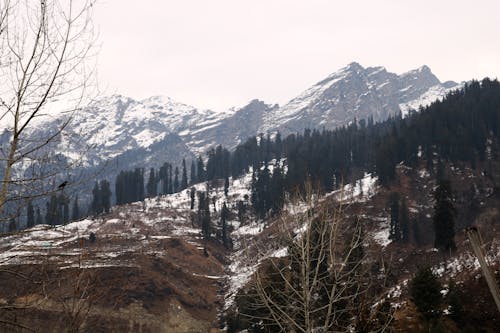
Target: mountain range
[{"x": 128, "y": 133}]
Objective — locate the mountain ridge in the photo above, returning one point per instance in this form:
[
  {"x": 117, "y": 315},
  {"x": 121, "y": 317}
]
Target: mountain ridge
[{"x": 115, "y": 126}]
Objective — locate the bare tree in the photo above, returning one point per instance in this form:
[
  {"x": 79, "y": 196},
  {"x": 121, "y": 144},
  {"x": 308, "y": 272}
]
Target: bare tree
[
  {"x": 322, "y": 284},
  {"x": 45, "y": 74}
]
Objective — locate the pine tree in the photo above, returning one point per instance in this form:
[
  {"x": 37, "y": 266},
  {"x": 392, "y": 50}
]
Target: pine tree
[
  {"x": 192, "y": 194},
  {"x": 170, "y": 180},
  {"x": 12, "y": 225},
  {"x": 444, "y": 217},
  {"x": 404, "y": 221},
  {"x": 53, "y": 215},
  {"x": 425, "y": 291},
  {"x": 192, "y": 175},
  {"x": 176, "y": 180},
  {"x": 151, "y": 185},
  {"x": 30, "y": 216},
  {"x": 226, "y": 186},
  {"x": 184, "y": 180},
  {"x": 39, "y": 219},
  {"x": 96, "y": 205},
  {"x": 201, "y": 170},
  {"x": 64, "y": 202},
  {"x": 277, "y": 190},
  {"x": 223, "y": 218},
  {"x": 75, "y": 211},
  {"x": 395, "y": 227},
  {"x": 105, "y": 196},
  {"x": 454, "y": 298},
  {"x": 204, "y": 214}
]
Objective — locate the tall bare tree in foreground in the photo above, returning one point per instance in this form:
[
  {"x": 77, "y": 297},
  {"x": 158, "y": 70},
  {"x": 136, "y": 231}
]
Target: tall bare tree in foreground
[
  {"x": 45, "y": 73},
  {"x": 323, "y": 284}
]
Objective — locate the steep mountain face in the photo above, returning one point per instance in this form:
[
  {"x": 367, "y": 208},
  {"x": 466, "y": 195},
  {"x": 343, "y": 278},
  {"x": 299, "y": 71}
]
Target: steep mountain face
[
  {"x": 128, "y": 133},
  {"x": 356, "y": 92},
  {"x": 117, "y": 124},
  {"x": 230, "y": 131}
]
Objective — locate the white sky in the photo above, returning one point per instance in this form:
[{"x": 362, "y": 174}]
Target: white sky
[{"x": 222, "y": 53}]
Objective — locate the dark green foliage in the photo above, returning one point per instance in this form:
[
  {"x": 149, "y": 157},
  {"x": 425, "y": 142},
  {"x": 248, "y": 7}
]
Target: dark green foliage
[
  {"x": 204, "y": 214},
  {"x": 65, "y": 209},
  {"x": 395, "y": 227},
  {"x": 151, "y": 186},
  {"x": 425, "y": 292},
  {"x": 53, "y": 212},
  {"x": 192, "y": 193},
  {"x": 165, "y": 177},
  {"x": 184, "y": 180},
  {"x": 404, "y": 221},
  {"x": 192, "y": 175},
  {"x": 96, "y": 204},
  {"x": 201, "y": 170},
  {"x": 75, "y": 212},
  {"x": 106, "y": 195},
  {"x": 176, "y": 180},
  {"x": 101, "y": 197},
  {"x": 129, "y": 186},
  {"x": 226, "y": 241},
  {"x": 444, "y": 217},
  {"x": 39, "y": 219},
  {"x": 261, "y": 194},
  {"x": 241, "y": 206},
  {"x": 455, "y": 129},
  {"x": 277, "y": 190},
  {"x": 226, "y": 186},
  {"x": 12, "y": 225},
  {"x": 30, "y": 216},
  {"x": 454, "y": 299},
  {"x": 218, "y": 166}
]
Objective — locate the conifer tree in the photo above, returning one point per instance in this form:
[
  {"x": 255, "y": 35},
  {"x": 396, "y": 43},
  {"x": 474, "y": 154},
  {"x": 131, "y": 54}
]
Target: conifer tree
[
  {"x": 226, "y": 186},
  {"x": 444, "y": 217},
  {"x": 277, "y": 190},
  {"x": 204, "y": 214},
  {"x": 105, "y": 196},
  {"x": 39, "y": 219},
  {"x": 75, "y": 211},
  {"x": 201, "y": 170},
  {"x": 395, "y": 227},
  {"x": 425, "y": 291},
  {"x": 176, "y": 180},
  {"x": 170, "y": 180},
  {"x": 96, "y": 205},
  {"x": 184, "y": 180},
  {"x": 404, "y": 221},
  {"x": 223, "y": 218},
  {"x": 64, "y": 202},
  {"x": 30, "y": 216},
  {"x": 192, "y": 194},
  {"x": 12, "y": 225},
  {"x": 192, "y": 175},
  {"x": 151, "y": 184},
  {"x": 53, "y": 214}
]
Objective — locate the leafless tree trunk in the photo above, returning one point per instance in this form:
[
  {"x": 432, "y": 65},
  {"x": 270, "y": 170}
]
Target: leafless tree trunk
[
  {"x": 45, "y": 48},
  {"x": 322, "y": 284}
]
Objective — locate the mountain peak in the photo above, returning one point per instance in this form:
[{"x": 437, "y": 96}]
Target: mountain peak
[{"x": 352, "y": 67}]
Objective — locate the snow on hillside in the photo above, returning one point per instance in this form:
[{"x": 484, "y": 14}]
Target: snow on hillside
[
  {"x": 435, "y": 93},
  {"x": 356, "y": 92}
]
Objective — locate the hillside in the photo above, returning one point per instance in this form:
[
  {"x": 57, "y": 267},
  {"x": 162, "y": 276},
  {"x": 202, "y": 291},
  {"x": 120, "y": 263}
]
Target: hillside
[{"x": 358, "y": 204}]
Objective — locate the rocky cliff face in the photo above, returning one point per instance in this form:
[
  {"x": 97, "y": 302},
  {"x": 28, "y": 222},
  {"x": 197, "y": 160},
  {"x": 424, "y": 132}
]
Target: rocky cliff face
[
  {"x": 127, "y": 133},
  {"x": 356, "y": 92}
]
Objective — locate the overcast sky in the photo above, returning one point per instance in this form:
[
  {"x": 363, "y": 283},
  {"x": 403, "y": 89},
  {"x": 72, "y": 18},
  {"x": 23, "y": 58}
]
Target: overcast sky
[{"x": 222, "y": 53}]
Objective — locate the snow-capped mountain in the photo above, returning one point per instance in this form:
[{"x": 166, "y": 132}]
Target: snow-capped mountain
[
  {"x": 128, "y": 133},
  {"x": 357, "y": 92}
]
